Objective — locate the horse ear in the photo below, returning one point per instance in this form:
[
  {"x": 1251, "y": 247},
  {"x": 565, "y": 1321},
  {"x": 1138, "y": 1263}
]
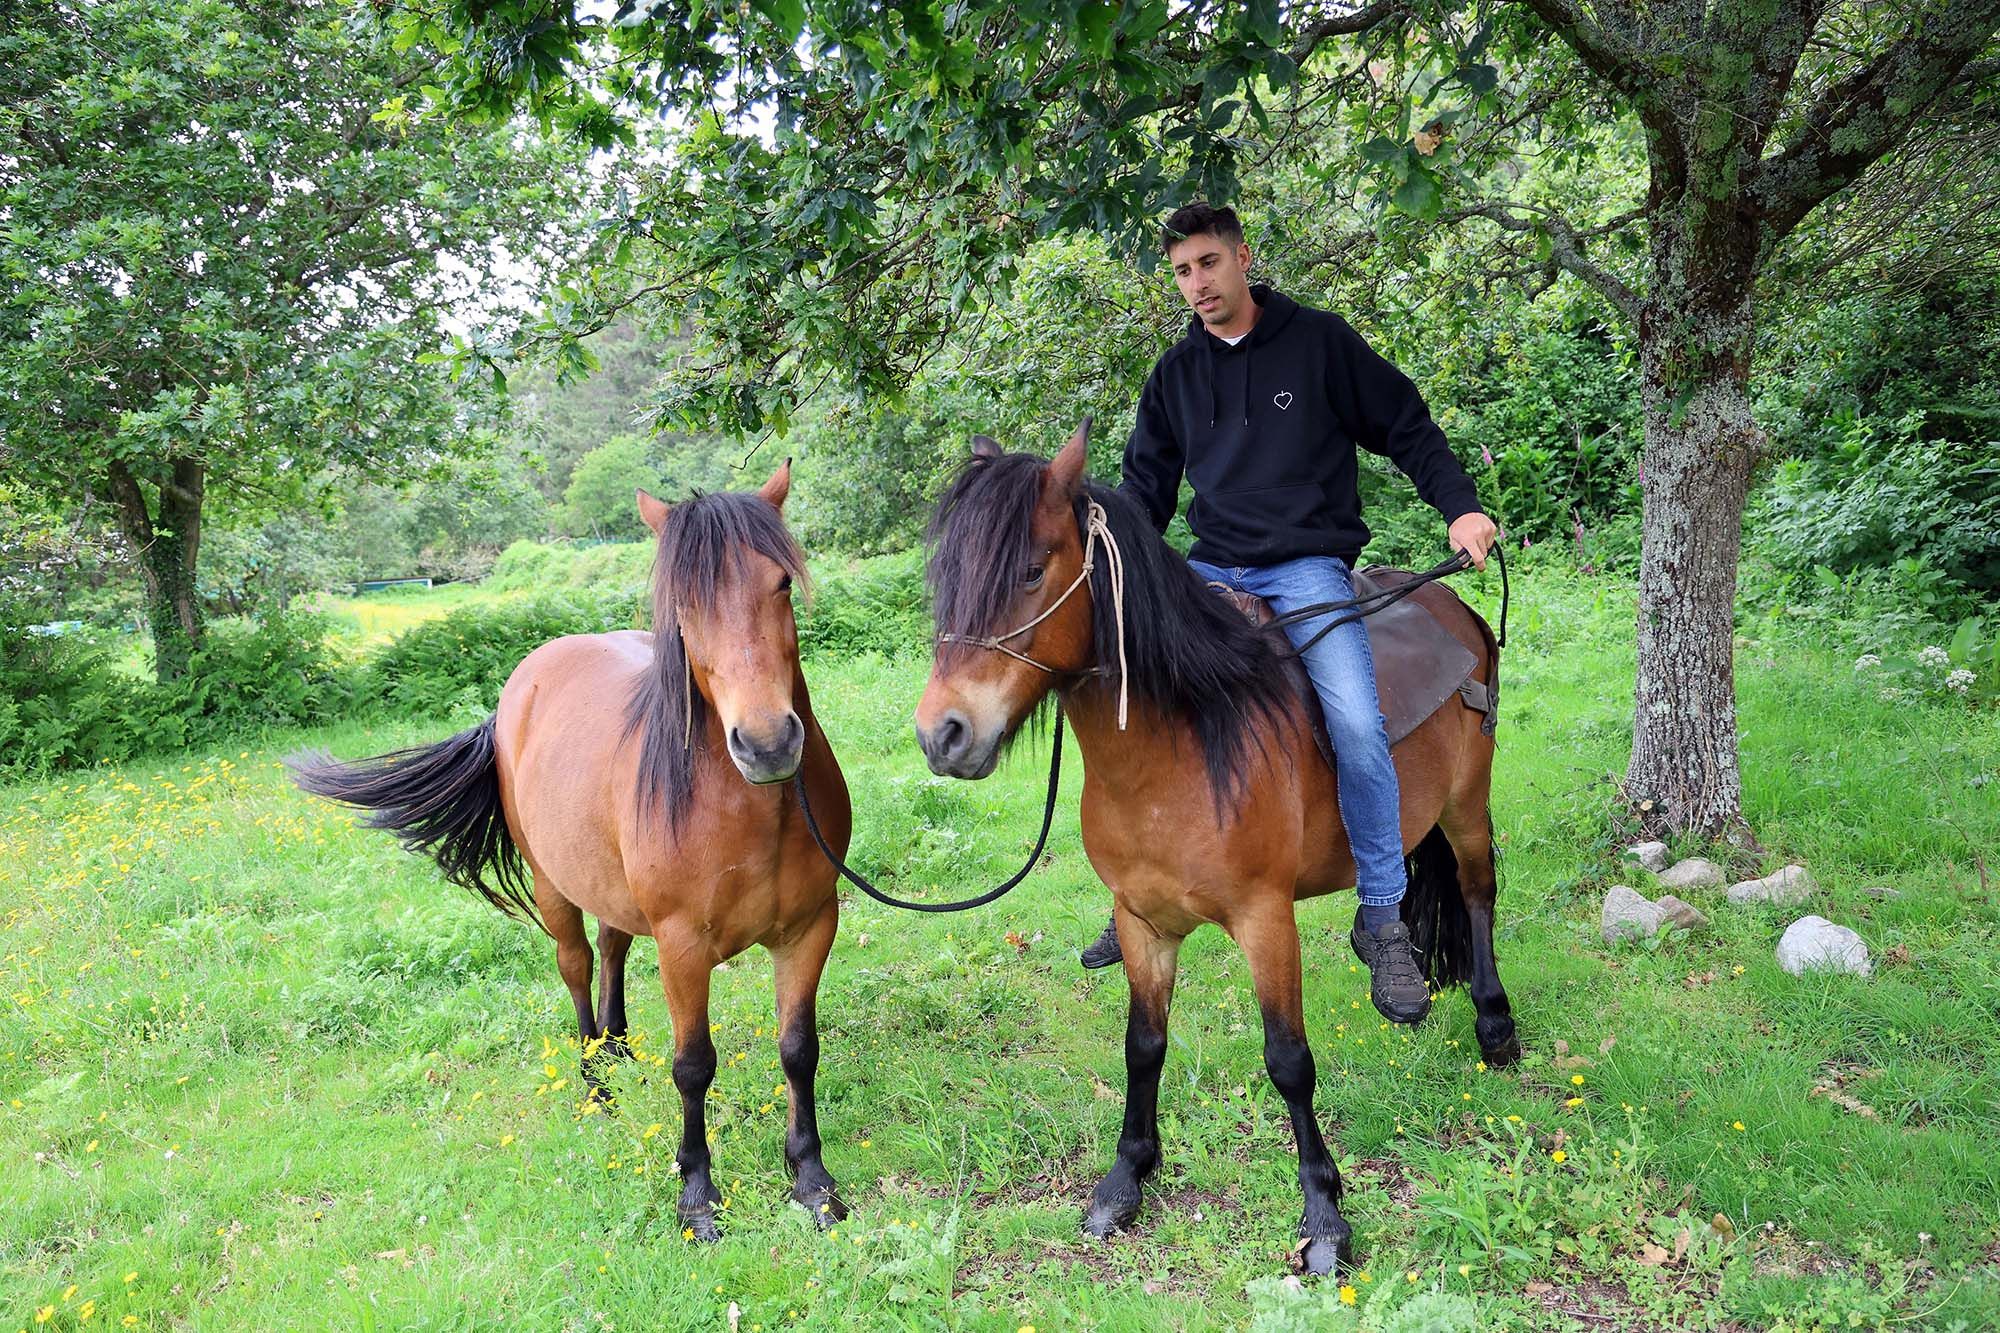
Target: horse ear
[
  {"x": 653, "y": 511},
  {"x": 985, "y": 446},
  {"x": 1066, "y": 468},
  {"x": 774, "y": 491}
]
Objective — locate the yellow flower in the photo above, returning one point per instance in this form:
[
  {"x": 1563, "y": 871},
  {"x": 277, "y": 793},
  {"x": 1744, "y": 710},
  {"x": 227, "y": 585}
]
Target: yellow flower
[
  {"x": 130, "y": 1321},
  {"x": 1410, "y": 1276},
  {"x": 69, "y": 1291},
  {"x": 84, "y": 1314},
  {"x": 1736, "y": 1125},
  {"x": 1025, "y": 1328},
  {"x": 132, "y": 1276},
  {"x": 687, "y": 1233},
  {"x": 1574, "y": 1102},
  {"x": 1465, "y": 1270},
  {"x": 651, "y": 1130},
  {"x": 1513, "y": 1120},
  {"x": 1576, "y": 1079},
  {"x": 46, "y": 1313},
  {"x": 506, "y": 1139},
  {"x": 1347, "y": 1295},
  {"x": 1559, "y": 1156}
]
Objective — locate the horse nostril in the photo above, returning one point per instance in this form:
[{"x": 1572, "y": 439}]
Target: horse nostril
[
  {"x": 951, "y": 734},
  {"x": 736, "y": 745}
]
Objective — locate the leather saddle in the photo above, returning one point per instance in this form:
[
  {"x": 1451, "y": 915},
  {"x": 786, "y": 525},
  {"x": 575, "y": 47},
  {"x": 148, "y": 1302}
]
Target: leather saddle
[{"x": 1419, "y": 664}]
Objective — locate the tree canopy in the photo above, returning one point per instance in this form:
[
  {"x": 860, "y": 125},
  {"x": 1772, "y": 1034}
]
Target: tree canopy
[{"x": 231, "y": 257}]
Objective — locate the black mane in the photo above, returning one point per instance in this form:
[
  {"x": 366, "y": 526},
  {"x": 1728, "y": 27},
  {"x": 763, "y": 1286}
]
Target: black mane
[
  {"x": 1190, "y": 653},
  {"x": 701, "y": 544}
]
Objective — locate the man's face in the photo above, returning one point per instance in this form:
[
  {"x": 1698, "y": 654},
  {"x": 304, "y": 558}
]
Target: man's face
[{"x": 1213, "y": 277}]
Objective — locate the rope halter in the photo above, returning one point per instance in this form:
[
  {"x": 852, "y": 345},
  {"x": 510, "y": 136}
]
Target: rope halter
[{"x": 1097, "y": 528}]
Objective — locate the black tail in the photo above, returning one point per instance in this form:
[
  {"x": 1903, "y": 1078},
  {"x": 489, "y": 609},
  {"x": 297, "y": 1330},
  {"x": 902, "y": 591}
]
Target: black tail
[
  {"x": 1434, "y": 910},
  {"x": 442, "y": 800}
]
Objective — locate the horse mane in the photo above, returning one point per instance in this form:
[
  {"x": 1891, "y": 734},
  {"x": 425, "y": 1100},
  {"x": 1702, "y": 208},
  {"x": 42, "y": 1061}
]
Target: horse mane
[
  {"x": 701, "y": 545},
  {"x": 1190, "y": 654}
]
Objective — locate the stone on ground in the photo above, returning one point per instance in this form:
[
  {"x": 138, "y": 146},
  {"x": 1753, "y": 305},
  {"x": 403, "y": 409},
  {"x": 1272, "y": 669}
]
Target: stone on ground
[
  {"x": 1812, "y": 943},
  {"x": 1881, "y": 891},
  {"x": 1693, "y": 873},
  {"x": 1790, "y": 885},
  {"x": 1652, "y": 855},
  {"x": 1628, "y": 915},
  {"x": 1682, "y": 916}
]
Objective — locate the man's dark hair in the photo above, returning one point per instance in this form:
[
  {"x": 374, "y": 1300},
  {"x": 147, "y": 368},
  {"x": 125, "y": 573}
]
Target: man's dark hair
[{"x": 1200, "y": 219}]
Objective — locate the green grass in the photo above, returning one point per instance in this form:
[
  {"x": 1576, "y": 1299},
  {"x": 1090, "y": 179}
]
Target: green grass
[{"x": 282, "y": 1073}]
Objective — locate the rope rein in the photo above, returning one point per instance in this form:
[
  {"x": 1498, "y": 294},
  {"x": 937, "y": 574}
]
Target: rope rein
[{"x": 964, "y": 904}]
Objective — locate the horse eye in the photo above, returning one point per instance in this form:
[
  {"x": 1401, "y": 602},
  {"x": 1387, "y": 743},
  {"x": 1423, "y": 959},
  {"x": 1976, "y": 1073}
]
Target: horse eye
[
  {"x": 784, "y": 583},
  {"x": 1033, "y": 577}
]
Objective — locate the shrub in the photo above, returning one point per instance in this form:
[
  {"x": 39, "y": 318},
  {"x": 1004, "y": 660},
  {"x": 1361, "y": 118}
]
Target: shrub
[
  {"x": 458, "y": 663},
  {"x": 873, "y": 605}
]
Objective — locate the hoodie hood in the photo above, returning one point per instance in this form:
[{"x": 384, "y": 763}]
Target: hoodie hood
[{"x": 1277, "y": 309}]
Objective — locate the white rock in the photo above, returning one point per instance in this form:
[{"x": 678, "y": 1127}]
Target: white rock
[
  {"x": 1790, "y": 885},
  {"x": 1652, "y": 855},
  {"x": 1813, "y": 942},
  {"x": 1693, "y": 873},
  {"x": 1628, "y": 915},
  {"x": 1682, "y": 915}
]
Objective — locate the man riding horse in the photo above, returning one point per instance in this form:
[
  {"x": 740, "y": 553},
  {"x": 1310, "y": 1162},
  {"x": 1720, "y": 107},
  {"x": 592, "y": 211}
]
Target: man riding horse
[{"x": 1261, "y": 405}]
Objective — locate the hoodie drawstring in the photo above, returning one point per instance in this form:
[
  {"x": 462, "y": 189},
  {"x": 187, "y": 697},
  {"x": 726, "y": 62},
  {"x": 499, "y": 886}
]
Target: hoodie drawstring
[{"x": 1246, "y": 381}]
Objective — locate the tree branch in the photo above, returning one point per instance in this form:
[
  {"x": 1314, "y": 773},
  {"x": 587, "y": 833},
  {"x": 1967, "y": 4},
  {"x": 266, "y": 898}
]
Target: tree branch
[
  {"x": 1860, "y": 118},
  {"x": 1343, "y": 25},
  {"x": 1566, "y": 245},
  {"x": 1621, "y": 63}
]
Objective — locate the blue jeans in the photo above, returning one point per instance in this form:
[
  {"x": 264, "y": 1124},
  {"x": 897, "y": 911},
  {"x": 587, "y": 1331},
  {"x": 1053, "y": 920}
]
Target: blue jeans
[{"x": 1343, "y": 675}]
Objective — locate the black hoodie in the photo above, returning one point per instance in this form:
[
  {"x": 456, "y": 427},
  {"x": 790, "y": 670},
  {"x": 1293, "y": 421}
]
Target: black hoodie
[{"x": 1266, "y": 430}]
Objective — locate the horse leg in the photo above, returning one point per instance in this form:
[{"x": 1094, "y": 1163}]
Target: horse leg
[
  {"x": 684, "y": 975},
  {"x": 1151, "y": 960},
  {"x": 1471, "y": 836},
  {"x": 1270, "y": 940},
  {"x": 565, "y": 923},
  {"x": 797, "y": 965},
  {"x": 612, "y": 944}
]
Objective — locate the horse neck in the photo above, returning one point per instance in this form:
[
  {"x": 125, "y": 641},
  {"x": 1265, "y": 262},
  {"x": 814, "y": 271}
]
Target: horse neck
[{"x": 1121, "y": 757}]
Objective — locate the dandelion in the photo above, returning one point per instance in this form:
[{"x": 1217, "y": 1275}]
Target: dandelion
[
  {"x": 1576, "y": 1079},
  {"x": 1559, "y": 1157},
  {"x": 1347, "y": 1295},
  {"x": 1866, "y": 661},
  {"x": 1573, "y": 1103},
  {"x": 130, "y": 1321},
  {"x": 651, "y": 1130},
  {"x": 1411, "y": 1276},
  {"x": 1513, "y": 1120},
  {"x": 506, "y": 1139},
  {"x": 1465, "y": 1270},
  {"x": 131, "y": 1277},
  {"x": 1736, "y": 1125}
]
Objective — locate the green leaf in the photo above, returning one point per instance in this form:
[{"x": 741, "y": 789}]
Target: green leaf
[
  {"x": 1418, "y": 195},
  {"x": 1095, "y": 22},
  {"x": 1380, "y": 150}
]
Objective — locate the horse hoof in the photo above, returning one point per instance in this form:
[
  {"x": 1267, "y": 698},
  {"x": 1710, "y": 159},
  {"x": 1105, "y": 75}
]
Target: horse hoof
[
  {"x": 1502, "y": 1055},
  {"x": 1320, "y": 1255},
  {"x": 1105, "y": 1220},
  {"x": 700, "y": 1228},
  {"x": 824, "y": 1206}
]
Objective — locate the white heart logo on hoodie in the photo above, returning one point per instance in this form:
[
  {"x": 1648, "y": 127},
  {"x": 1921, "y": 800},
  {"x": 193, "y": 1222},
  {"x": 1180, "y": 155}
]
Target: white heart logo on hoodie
[{"x": 1283, "y": 400}]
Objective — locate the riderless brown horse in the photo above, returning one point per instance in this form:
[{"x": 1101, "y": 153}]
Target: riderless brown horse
[
  {"x": 607, "y": 770},
  {"x": 1208, "y": 802}
]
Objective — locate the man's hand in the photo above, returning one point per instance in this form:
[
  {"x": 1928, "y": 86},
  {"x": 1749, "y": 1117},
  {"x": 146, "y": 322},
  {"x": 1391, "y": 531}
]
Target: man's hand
[{"x": 1473, "y": 534}]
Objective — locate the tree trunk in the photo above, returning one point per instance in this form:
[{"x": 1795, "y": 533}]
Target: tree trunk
[
  {"x": 166, "y": 546},
  {"x": 1701, "y": 443}
]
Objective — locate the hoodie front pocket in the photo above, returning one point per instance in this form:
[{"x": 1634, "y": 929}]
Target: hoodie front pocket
[{"x": 1249, "y": 519}]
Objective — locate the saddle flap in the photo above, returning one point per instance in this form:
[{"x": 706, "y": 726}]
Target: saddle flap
[{"x": 1419, "y": 664}]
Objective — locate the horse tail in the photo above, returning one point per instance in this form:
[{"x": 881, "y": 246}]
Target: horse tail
[
  {"x": 1434, "y": 910},
  {"x": 442, "y": 800}
]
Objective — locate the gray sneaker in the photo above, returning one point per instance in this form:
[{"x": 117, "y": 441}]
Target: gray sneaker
[
  {"x": 1104, "y": 950},
  {"x": 1395, "y": 982}
]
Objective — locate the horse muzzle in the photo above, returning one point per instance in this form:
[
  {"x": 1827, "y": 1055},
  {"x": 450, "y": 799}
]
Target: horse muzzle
[
  {"x": 772, "y": 756},
  {"x": 955, "y": 750}
]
